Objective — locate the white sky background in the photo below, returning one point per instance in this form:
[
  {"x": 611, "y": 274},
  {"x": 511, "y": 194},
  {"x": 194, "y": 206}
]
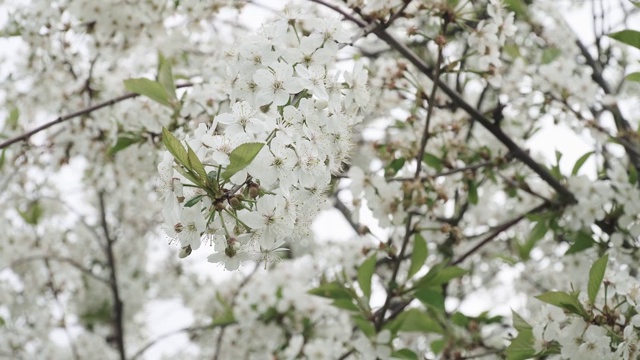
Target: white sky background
[{"x": 168, "y": 316}]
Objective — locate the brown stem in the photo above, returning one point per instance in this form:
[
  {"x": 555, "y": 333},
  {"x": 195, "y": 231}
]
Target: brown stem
[
  {"x": 118, "y": 308},
  {"x": 78, "y": 113}
]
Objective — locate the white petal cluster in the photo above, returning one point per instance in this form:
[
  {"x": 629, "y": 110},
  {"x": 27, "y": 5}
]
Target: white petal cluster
[{"x": 284, "y": 96}]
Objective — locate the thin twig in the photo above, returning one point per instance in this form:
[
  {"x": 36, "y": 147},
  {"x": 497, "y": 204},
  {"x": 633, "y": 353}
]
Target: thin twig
[
  {"x": 60, "y": 259},
  {"x": 426, "y": 134},
  {"x": 497, "y": 231},
  {"x": 118, "y": 308},
  {"x": 78, "y": 113}
]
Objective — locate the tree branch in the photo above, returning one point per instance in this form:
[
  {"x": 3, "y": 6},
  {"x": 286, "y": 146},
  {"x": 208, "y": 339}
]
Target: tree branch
[
  {"x": 118, "y": 308},
  {"x": 565, "y": 195},
  {"x": 78, "y": 113}
]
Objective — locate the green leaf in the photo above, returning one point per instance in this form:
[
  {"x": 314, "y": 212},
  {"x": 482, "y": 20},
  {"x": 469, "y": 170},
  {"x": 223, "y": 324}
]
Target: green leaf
[
  {"x": 512, "y": 50},
  {"x": 175, "y": 147},
  {"x": 431, "y": 297},
  {"x": 460, "y": 319},
  {"x": 126, "y": 139},
  {"x": 364, "y": 325},
  {"x": 32, "y": 214},
  {"x": 633, "y": 174},
  {"x": 580, "y": 162},
  {"x": 535, "y": 235},
  {"x": 633, "y": 77},
  {"x": 332, "y": 290},
  {"x": 419, "y": 255},
  {"x": 596, "y": 274},
  {"x": 404, "y": 354},
  {"x": 519, "y": 323},
  {"x": 550, "y": 54},
  {"x": 518, "y": 7},
  {"x": 437, "y": 346},
  {"x": 165, "y": 78},
  {"x": 581, "y": 241},
  {"x": 196, "y": 165},
  {"x": 194, "y": 200},
  {"x": 629, "y": 37},
  {"x": 241, "y": 157},
  {"x": 473, "y": 192},
  {"x": 414, "y": 320},
  {"x": 149, "y": 88},
  {"x": 433, "y": 161},
  {"x": 396, "y": 164},
  {"x": 345, "y": 304},
  {"x": 439, "y": 275},
  {"x": 2, "y": 321},
  {"x": 3, "y": 158},
  {"x": 224, "y": 319},
  {"x": 12, "y": 119},
  {"x": 565, "y": 301},
  {"x": 521, "y": 347},
  {"x": 365, "y": 272},
  {"x": 189, "y": 175}
]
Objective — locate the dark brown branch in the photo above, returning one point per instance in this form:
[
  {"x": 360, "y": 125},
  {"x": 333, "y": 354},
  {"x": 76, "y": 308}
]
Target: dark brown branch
[
  {"x": 76, "y": 114},
  {"x": 497, "y": 231},
  {"x": 565, "y": 195},
  {"x": 118, "y": 308}
]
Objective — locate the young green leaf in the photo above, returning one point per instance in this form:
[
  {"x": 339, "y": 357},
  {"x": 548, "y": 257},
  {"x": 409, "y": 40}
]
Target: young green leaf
[
  {"x": 433, "y": 161},
  {"x": 439, "y": 275},
  {"x": 175, "y": 148},
  {"x": 414, "y": 320},
  {"x": 332, "y": 290},
  {"x": 126, "y": 139},
  {"x": 596, "y": 274},
  {"x": 165, "y": 78},
  {"x": 521, "y": 347},
  {"x": 536, "y": 234},
  {"x": 580, "y": 162},
  {"x": 565, "y": 301},
  {"x": 633, "y": 77},
  {"x": 419, "y": 255},
  {"x": 550, "y": 54},
  {"x": 196, "y": 165},
  {"x": 581, "y": 241},
  {"x": 149, "y": 88},
  {"x": 473, "y": 192},
  {"x": 241, "y": 157},
  {"x": 364, "y": 325},
  {"x": 431, "y": 297},
  {"x": 404, "y": 354},
  {"x": 194, "y": 200},
  {"x": 629, "y": 37},
  {"x": 365, "y": 273}
]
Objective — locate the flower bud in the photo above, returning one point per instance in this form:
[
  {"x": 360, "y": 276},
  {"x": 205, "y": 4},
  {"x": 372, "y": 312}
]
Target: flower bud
[{"x": 184, "y": 252}]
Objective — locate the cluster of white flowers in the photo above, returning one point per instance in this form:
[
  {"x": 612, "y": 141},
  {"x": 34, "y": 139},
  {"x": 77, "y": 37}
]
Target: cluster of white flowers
[
  {"x": 610, "y": 333},
  {"x": 489, "y": 37},
  {"x": 288, "y": 129}
]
